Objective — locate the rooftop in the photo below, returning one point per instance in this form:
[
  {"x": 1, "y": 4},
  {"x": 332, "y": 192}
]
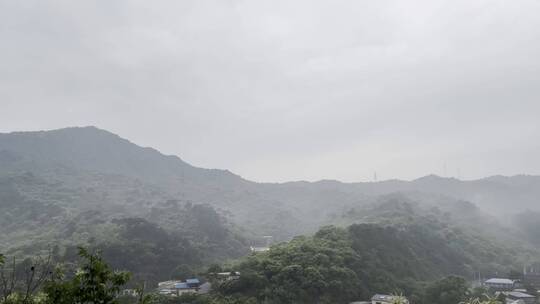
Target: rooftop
[
  {"x": 519, "y": 295},
  {"x": 381, "y": 297},
  {"x": 259, "y": 249},
  {"x": 181, "y": 286},
  {"x": 385, "y": 298},
  {"x": 193, "y": 281},
  {"x": 499, "y": 281}
]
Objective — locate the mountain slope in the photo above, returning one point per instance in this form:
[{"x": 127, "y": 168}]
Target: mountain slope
[
  {"x": 95, "y": 150},
  {"x": 148, "y": 211},
  {"x": 91, "y": 168},
  {"x": 341, "y": 265}
]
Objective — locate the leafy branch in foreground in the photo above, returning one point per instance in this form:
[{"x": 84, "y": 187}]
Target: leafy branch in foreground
[
  {"x": 94, "y": 282},
  {"x": 399, "y": 299},
  {"x": 23, "y": 280},
  {"x": 488, "y": 300}
]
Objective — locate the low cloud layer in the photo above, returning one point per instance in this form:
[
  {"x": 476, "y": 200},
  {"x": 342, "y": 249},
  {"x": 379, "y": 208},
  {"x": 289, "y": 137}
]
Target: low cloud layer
[{"x": 286, "y": 90}]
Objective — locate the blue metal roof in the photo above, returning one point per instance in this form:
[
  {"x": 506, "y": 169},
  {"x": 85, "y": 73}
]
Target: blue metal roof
[{"x": 193, "y": 281}]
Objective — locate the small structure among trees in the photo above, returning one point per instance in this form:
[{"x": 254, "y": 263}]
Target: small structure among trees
[
  {"x": 389, "y": 299},
  {"x": 499, "y": 284}
]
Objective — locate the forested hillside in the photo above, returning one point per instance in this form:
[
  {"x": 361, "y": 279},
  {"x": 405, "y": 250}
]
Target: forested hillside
[
  {"x": 160, "y": 217},
  {"x": 340, "y": 265},
  {"x": 98, "y": 168},
  {"x": 170, "y": 239}
]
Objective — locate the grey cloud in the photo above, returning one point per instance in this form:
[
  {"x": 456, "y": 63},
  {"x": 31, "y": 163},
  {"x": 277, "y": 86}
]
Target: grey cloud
[{"x": 282, "y": 90}]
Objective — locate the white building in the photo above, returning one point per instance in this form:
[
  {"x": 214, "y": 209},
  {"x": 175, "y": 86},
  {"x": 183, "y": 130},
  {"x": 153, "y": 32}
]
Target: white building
[{"x": 499, "y": 284}]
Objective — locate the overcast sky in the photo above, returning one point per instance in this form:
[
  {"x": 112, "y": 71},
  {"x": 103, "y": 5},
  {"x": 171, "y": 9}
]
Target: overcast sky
[{"x": 286, "y": 90}]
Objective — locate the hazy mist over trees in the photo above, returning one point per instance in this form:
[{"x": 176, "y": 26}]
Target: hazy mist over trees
[{"x": 269, "y": 152}]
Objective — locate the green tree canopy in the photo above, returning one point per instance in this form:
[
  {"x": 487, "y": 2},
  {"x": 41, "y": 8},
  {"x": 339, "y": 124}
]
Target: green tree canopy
[
  {"x": 94, "y": 282},
  {"x": 450, "y": 290}
]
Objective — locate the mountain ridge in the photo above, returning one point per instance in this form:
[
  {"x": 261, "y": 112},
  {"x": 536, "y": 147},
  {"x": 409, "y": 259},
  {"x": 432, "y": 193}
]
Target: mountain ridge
[
  {"x": 88, "y": 155},
  {"x": 78, "y": 185},
  {"x": 111, "y": 135}
]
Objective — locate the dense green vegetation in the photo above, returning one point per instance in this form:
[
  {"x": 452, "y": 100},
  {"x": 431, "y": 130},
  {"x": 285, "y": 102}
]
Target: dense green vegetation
[
  {"x": 161, "y": 218},
  {"x": 528, "y": 223},
  {"x": 74, "y": 169},
  {"x": 458, "y": 232},
  {"x": 449, "y": 290},
  {"x": 94, "y": 282},
  {"x": 339, "y": 265},
  {"x": 188, "y": 236},
  {"x": 323, "y": 269},
  {"x": 306, "y": 270},
  {"x": 401, "y": 246}
]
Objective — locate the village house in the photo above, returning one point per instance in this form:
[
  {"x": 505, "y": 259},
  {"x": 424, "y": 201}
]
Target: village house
[
  {"x": 519, "y": 297},
  {"x": 259, "y": 249},
  {"x": 498, "y": 284},
  {"x": 181, "y": 288},
  {"x": 193, "y": 283},
  {"x": 177, "y": 288}
]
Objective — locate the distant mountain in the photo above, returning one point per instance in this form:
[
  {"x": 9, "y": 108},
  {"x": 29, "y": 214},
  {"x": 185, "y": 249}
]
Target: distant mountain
[
  {"x": 88, "y": 168},
  {"x": 99, "y": 151},
  {"x": 147, "y": 211}
]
